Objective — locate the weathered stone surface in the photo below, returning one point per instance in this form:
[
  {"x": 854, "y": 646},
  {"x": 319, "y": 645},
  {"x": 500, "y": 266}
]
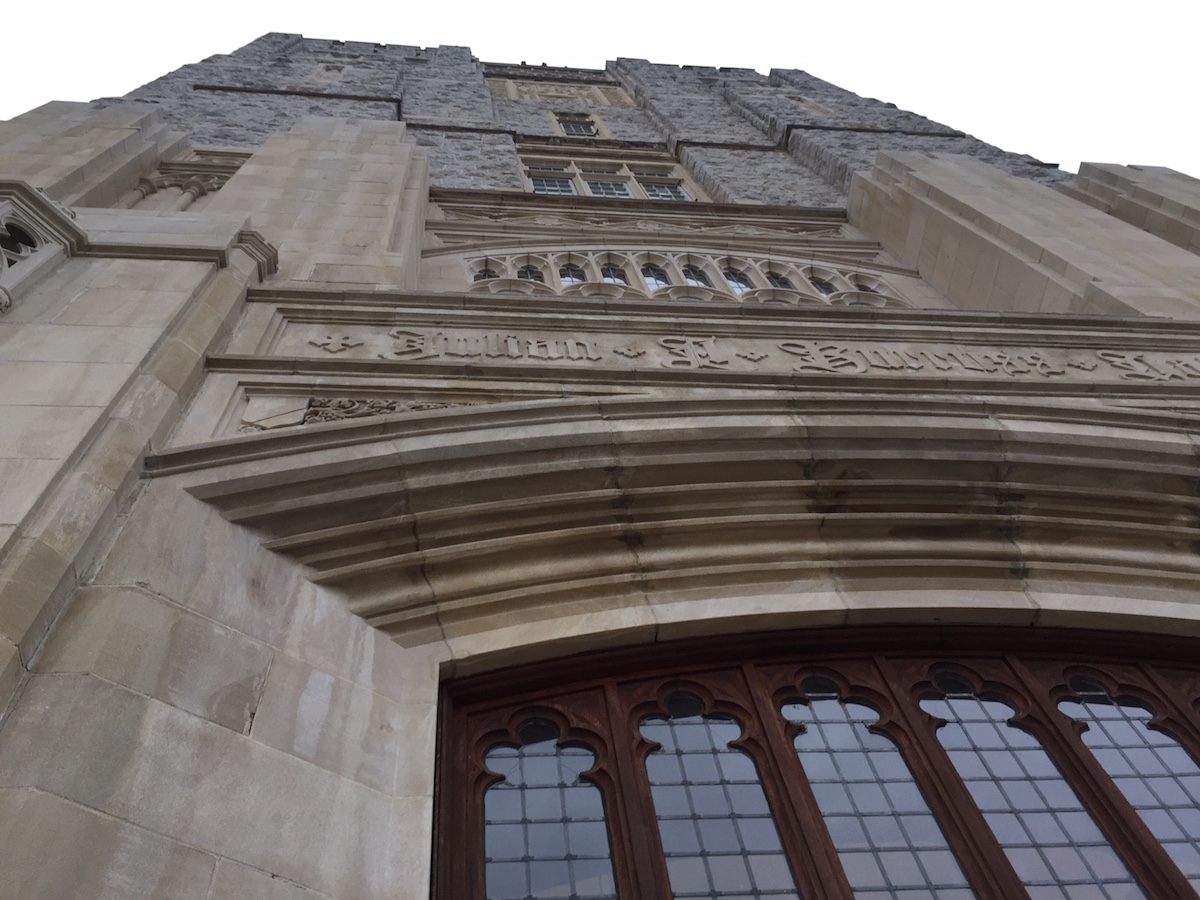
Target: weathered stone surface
[{"x": 52, "y": 849}]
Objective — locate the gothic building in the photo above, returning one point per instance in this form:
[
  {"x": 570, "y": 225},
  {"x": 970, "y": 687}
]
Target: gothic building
[{"x": 434, "y": 479}]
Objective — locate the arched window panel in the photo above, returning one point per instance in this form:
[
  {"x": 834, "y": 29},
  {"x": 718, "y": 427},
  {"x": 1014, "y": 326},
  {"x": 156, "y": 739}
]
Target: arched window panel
[
  {"x": 1049, "y": 837},
  {"x": 717, "y": 832},
  {"x": 544, "y": 826},
  {"x": 886, "y": 837},
  {"x": 1154, "y": 773}
]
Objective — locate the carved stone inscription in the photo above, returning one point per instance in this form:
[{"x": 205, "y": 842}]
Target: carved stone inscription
[{"x": 681, "y": 352}]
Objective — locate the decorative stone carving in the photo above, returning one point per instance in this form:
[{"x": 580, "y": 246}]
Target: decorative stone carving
[
  {"x": 335, "y": 409},
  {"x": 34, "y": 232}
]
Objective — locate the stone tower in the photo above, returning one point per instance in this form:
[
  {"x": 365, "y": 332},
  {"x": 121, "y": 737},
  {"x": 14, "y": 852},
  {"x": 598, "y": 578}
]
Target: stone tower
[{"x": 430, "y": 478}]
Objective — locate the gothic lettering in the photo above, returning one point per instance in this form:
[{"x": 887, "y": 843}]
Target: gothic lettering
[{"x": 691, "y": 353}]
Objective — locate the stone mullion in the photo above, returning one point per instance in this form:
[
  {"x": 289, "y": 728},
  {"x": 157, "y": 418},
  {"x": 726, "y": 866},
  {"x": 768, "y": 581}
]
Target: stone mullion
[
  {"x": 968, "y": 833},
  {"x": 1130, "y": 837}
]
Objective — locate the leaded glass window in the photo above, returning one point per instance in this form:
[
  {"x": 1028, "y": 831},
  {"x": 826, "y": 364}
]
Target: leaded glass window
[
  {"x": 531, "y": 273},
  {"x": 886, "y": 837},
  {"x": 544, "y": 826},
  {"x": 770, "y": 766},
  {"x": 1049, "y": 837},
  {"x": 1157, "y": 776},
  {"x": 716, "y": 828},
  {"x": 779, "y": 281}
]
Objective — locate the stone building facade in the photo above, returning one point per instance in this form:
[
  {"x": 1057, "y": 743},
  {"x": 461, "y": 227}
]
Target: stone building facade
[{"x": 384, "y": 428}]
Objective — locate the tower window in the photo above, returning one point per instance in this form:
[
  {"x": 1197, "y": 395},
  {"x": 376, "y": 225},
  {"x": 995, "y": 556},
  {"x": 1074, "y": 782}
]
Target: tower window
[
  {"x": 695, "y": 276},
  {"x": 548, "y": 184},
  {"x": 824, "y": 288},
  {"x": 570, "y": 274},
  {"x": 739, "y": 281},
  {"x": 576, "y": 126},
  {"x": 779, "y": 281},
  {"x": 656, "y": 277},
  {"x": 485, "y": 274},
  {"x": 531, "y": 273},
  {"x": 613, "y": 275},
  {"x": 615, "y": 179}
]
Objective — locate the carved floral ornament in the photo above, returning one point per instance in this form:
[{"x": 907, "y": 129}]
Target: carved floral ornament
[{"x": 680, "y": 276}]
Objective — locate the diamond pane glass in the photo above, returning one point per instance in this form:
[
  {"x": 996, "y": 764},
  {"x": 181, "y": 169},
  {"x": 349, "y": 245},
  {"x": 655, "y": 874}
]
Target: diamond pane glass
[
  {"x": 885, "y": 835},
  {"x": 1156, "y": 775},
  {"x": 1050, "y": 839},
  {"x": 717, "y": 832},
  {"x": 545, "y": 834}
]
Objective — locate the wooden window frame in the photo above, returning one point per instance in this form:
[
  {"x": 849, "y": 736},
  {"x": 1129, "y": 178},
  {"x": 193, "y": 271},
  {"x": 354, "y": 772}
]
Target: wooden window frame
[{"x": 751, "y": 677}]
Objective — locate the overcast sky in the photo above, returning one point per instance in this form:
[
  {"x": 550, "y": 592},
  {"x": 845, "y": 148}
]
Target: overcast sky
[{"x": 1062, "y": 81}]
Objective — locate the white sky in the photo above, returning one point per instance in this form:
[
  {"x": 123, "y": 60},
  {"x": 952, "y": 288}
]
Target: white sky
[{"x": 1062, "y": 81}]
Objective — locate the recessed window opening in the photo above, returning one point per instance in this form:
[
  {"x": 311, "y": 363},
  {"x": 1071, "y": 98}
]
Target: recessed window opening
[
  {"x": 739, "y": 282},
  {"x": 779, "y": 281},
  {"x": 571, "y": 274},
  {"x": 613, "y": 274},
  {"x": 531, "y": 273},
  {"x": 656, "y": 277},
  {"x": 695, "y": 276},
  {"x": 824, "y": 287}
]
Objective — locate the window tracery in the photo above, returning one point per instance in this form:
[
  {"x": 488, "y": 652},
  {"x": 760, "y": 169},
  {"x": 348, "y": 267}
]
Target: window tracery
[
  {"x": 857, "y": 771},
  {"x": 672, "y": 275}
]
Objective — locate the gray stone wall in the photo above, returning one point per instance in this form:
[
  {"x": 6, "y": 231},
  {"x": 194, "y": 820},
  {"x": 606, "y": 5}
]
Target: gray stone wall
[{"x": 787, "y": 138}]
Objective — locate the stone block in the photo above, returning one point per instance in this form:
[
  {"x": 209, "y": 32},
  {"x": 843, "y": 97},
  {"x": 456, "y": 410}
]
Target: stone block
[
  {"x": 131, "y": 637},
  {"x": 330, "y": 722},
  {"x": 52, "y": 849}
]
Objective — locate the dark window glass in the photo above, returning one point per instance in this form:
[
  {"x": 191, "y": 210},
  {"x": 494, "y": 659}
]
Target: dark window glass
[
  {"x": 656, "y": 277},
  {"x": 779, "y": 281},
  {"x": 824, "y": 288},
  {"x": 717, "y": 832},
  {"x": 886, "y": 837},
  {"x": 739, "y": 281},
  {"x": 577, "y": 126},
  {"x": 571, "y": 275},
  {"x": 531, "y": 273},
  {"x": 485, "y": 274},
  {"x": 544, "y": 830},
  {"x": 613, "y": 275},
  {"x": 1048, "y": 836},
  {"x": 1157, "y": 776}
]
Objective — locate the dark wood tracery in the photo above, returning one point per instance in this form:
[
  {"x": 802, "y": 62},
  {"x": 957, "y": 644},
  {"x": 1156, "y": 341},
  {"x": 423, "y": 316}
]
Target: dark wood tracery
[{"x": 599, "y": 700}]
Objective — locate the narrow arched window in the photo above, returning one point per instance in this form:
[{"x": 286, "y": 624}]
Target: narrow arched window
[
  {"x": 695, "y": 276},
  {"x": 739, "y": 282},
  {"x": 1157, "y": 776},
  {"x": 717, "y": 831},
  {"x": 1046, "y": 832},
  {"x": 485, "y": 274},
  {"x": 779, "y": 281},
  {"x": 544, "y": 828},
  {"x": 824, "y": 287},
  {"x": 613, "y": 274},
  {"x": 885, "y": 834},
  {"x": 656, "y": 277},
  {"x": 570, "y": 274},
  {"x": 531, "y": 273}
]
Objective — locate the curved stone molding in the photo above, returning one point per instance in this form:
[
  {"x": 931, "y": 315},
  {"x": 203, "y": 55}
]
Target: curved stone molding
[
  {"x": 34, "y": 232},
  {"x": 465, "y": 519}
]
